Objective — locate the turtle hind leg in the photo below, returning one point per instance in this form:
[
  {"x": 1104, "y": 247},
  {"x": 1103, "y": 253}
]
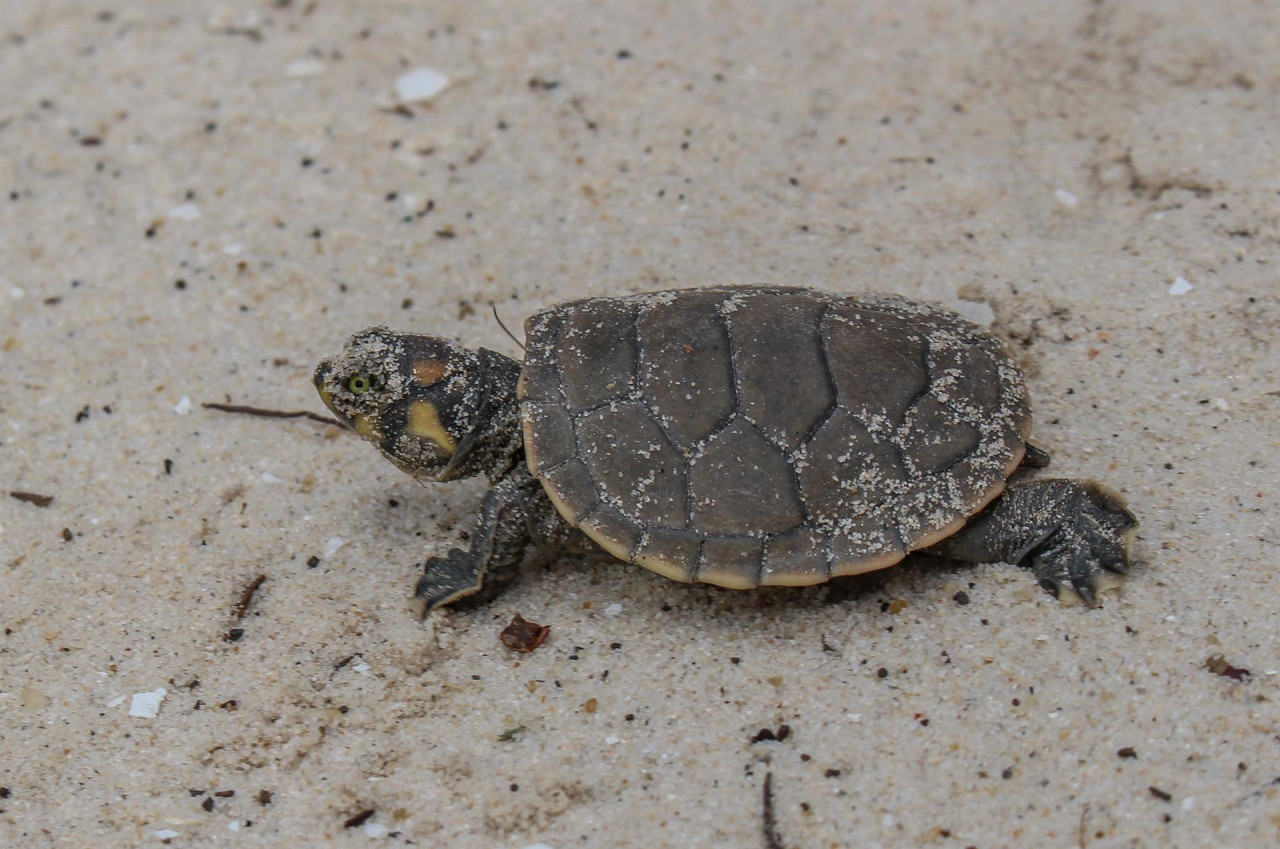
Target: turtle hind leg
[{"x": 1069, "y": 533}]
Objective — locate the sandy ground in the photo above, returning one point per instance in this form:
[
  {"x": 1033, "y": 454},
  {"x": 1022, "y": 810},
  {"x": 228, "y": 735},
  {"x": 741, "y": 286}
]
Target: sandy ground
[{"x": 198, "y": 202}]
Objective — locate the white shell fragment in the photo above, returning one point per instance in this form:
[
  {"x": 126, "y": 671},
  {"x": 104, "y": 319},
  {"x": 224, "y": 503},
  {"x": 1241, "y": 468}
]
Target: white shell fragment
[
  {"x": 185, "y": 212},
  {"x": 304, "y": 68},
  {"x": 1065, "y": 197},
  {"x": 1180, "y": 286},
  {"x": 146, "y": 705},
  {"x": 183, "y": 407},
  {"x": 420, "y": 85}
]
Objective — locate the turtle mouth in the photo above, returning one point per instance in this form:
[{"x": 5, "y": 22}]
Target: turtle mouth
[{"x": 420, "y": 459}]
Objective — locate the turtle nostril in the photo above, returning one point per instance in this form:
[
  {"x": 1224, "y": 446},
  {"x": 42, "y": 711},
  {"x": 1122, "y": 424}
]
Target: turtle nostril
[{"x": 322, "y": 372}]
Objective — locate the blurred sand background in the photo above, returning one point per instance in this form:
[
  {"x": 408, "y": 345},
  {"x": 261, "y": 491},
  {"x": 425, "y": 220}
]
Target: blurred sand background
[{"x": 198, "y": 201}]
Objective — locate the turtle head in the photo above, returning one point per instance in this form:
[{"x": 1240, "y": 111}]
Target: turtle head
[{"x": 421, "y": 399}]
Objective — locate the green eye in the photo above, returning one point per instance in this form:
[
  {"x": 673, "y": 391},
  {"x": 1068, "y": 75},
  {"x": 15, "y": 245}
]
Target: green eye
[{"x": 359, "y": 384}]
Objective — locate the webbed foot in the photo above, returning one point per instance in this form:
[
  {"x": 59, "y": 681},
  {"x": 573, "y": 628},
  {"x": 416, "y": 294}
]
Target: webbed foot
[
  {"x": 447, "y": 579},
  {"x": 1093, "y": 540},
  {"x": 1069, "y": 533},
  {"x": 458, "y": 579}
]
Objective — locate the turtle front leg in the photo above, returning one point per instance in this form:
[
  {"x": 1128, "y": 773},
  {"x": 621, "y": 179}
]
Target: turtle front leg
[
  {"x": 1068, "y": 532},
  {"x": 503, "y": 536}
]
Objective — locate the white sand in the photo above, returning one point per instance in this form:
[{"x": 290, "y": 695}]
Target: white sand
[{"x": 200, "y": 202}]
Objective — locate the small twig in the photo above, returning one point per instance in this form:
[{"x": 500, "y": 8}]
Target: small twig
[
  {"x": 359, "y": 819},
  {"x": 246, "y": 597},
  {"x": 498, "y": 319},
  {"x": 772, "y": 840},
  {"x": 32, "y": 498},
  {"x": 274, "y": 414},
  {"x": 1260, "y": 791}
]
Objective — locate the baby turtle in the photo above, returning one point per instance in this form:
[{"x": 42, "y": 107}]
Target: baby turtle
[{"x": 737, "y": 436}]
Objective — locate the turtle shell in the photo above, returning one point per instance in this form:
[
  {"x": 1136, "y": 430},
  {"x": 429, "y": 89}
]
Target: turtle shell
[{"x": 741, "y": 436}]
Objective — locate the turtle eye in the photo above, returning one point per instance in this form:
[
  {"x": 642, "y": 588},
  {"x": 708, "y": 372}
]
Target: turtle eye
[{"x": 359, "y": 383}]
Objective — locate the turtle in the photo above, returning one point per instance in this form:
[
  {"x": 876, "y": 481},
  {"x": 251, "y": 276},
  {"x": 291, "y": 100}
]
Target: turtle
[{"x": 739, "y": 436}]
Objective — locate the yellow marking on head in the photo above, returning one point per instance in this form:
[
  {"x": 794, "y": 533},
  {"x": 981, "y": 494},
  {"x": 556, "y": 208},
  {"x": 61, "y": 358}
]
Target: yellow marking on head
[
  {"x": 327, "y": 397},
  {"x": 424, "y": 422},
  {"x": 427, "y": 372},
  {"x": 364, "y": 427}
]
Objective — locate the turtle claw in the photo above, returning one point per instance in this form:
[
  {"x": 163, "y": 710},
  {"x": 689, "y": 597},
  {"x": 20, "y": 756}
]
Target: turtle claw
[
  {"x": 1069, "y": 533},
  {"x": 1093, "y": 537},
  {"x": 1119, "y": 567},
  {"x": 1086, "y": 593},
  {"x": 1080, "y": 576}
]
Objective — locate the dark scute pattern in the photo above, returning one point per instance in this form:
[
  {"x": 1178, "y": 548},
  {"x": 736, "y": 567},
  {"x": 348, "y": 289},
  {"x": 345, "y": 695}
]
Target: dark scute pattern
[
  {"x": 968, "y": 375},
  {"x": 934, "y": 437},
  {"x": 742, "y": 484},
  {"x": 881, "y": 424},
  {"x": 730, "y": 561},
  {"x": 686, "y": 372},
  {"x": 573, "y": 483},
  {"x": 783, "y": 384},
  {"x": 678, "y": 549},
  {"x": 801, "y": 552},
  {"x": 640, "y": 472},
  {"x": 877, "y": 360},
  {"x": 864, "y": 538},
  {"x": 540, "y": 378},
  {"x": 556, "y": 442},
  {"x": 845, "y": 471},
  {"x": 611, "y": 524},
  {"x": 597, "y": 352}
]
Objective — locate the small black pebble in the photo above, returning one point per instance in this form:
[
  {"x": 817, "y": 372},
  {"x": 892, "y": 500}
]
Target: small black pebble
[{"x": 961, "y": 598}]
